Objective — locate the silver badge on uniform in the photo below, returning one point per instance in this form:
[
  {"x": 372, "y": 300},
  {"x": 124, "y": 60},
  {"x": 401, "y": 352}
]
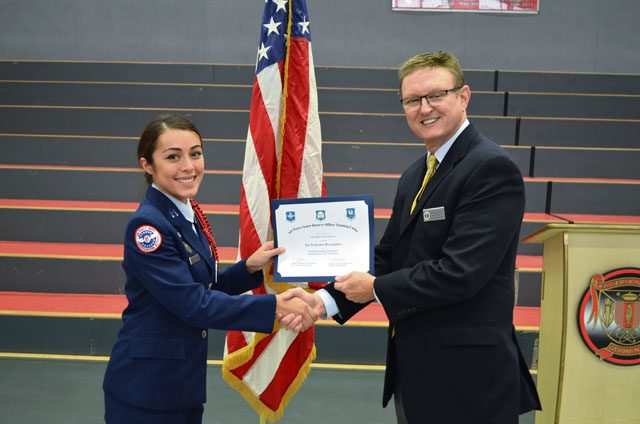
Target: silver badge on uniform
[{"x": 433, "y": 214}]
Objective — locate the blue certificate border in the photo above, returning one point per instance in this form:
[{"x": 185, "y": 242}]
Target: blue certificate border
[{"x": 276, "y": 203}]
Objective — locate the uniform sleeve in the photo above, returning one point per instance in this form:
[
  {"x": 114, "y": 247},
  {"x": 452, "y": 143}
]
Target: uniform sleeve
[
  {"x": 165, "y": 275},
  {"x": 237, "y": 280}
]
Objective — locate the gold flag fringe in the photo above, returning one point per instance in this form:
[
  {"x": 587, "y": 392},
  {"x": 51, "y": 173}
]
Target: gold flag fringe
[{"x": 252, "y": 399}]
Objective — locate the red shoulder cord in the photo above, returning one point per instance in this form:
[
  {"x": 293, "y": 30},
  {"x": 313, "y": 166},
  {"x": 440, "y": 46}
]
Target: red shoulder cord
[{"x": 206, "y": 228}]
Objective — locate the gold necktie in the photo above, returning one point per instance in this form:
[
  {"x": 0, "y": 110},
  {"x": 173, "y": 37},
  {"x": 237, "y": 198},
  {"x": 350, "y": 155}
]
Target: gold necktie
[{"x": 432, "y": 162}]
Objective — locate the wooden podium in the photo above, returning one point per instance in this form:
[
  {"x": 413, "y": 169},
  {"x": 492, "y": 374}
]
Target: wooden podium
[{"x": 576, "y": 385}]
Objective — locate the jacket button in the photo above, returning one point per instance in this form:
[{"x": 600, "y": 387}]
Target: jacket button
[{"x": 204, "y": 334}]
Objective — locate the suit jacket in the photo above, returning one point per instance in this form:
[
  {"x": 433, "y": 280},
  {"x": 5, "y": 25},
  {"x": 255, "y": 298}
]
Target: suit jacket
[
  {"x": 447, "y": 286},
  {"x": 159, "y": 358}
]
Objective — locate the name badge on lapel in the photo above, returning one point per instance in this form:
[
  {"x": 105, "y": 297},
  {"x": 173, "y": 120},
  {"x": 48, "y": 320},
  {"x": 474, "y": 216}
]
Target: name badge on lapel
[{"x": 433, "y": 214}]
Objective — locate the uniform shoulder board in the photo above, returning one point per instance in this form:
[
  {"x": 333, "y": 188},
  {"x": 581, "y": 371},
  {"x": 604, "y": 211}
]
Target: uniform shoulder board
[{"x": 147, "y": 238}]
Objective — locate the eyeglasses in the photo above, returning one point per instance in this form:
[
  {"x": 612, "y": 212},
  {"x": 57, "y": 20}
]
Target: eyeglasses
[{"x": 435, "y": 98}]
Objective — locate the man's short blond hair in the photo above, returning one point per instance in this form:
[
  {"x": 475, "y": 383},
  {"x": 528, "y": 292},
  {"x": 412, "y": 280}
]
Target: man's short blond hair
[{"x": 439, "y": 59}]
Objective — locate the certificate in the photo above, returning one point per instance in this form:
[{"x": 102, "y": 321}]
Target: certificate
[{"x": 323, "y": 237}]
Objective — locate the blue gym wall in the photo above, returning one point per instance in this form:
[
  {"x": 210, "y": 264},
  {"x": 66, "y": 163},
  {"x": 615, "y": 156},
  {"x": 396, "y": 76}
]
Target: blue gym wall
[{"x": 567, "y": 35}]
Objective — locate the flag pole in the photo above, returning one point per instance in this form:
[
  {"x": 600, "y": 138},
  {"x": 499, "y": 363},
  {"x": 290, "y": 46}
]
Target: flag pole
[
  {"x": 283, "y": 109},
  {"x": 283, "y": 103}
]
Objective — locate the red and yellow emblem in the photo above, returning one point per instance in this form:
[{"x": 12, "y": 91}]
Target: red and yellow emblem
[{"x": 609, "y": 316}]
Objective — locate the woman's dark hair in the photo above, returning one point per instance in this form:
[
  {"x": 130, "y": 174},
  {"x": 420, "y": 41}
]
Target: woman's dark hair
[{"x": 155, "y": 128}]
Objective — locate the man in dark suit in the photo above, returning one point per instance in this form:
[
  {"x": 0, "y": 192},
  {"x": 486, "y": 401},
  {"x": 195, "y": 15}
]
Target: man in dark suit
[{"x": 444, "y": 268}]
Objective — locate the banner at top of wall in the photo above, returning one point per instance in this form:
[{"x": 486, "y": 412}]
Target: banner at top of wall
[{"x": 487, "y": 6}]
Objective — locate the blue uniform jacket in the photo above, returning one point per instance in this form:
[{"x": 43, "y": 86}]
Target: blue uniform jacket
[{"x": 159, "y": 358}]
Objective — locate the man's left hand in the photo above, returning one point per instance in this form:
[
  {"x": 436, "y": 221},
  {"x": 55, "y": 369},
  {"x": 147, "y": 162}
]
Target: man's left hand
[{"x": 357, "y": 286}]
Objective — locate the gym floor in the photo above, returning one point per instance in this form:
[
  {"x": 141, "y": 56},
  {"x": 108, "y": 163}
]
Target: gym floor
[{"x": 68, "y": 391}]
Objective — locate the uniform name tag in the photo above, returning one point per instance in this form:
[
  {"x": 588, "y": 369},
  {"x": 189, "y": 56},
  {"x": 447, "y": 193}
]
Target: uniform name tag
[
  {"x": 194, "y": 259},
  {"x": 433, "y": 214}
]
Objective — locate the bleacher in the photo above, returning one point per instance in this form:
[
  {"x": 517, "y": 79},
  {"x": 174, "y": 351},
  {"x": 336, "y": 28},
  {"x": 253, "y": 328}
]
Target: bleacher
[{"x": 70, "y": 179}]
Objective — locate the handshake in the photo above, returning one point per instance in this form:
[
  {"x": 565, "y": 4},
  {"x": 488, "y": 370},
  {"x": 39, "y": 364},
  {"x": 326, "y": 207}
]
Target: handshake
[{"x": 297, "y": 309}]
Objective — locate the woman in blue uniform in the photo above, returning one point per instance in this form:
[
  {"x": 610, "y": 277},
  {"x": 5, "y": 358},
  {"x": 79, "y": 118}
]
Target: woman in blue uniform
[{"x": 157, "y": 370}]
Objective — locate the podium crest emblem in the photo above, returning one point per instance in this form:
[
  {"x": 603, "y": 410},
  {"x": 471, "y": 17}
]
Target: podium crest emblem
[{"x": 609, "y": 316}]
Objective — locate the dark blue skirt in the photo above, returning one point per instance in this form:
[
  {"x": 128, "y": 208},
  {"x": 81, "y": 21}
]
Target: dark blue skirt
[{"x": 117, "y": 412}]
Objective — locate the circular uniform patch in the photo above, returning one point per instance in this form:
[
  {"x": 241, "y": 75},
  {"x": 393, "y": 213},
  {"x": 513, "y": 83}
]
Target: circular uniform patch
[{"x": 147, "y": 238}]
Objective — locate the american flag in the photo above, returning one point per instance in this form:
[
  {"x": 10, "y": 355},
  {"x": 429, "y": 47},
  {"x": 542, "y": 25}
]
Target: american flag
[{"x": 283, "y": 159}]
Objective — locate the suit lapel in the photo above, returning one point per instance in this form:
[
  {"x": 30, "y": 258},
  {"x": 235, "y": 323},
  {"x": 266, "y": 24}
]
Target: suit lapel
[
  {"x": 414, "y": 181},
  {"x": 455, "y": 153},
  {"x": 182, "y": 226},
  {"x": 190, "y": 237},
  {"x": 443, "y": 169}
]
